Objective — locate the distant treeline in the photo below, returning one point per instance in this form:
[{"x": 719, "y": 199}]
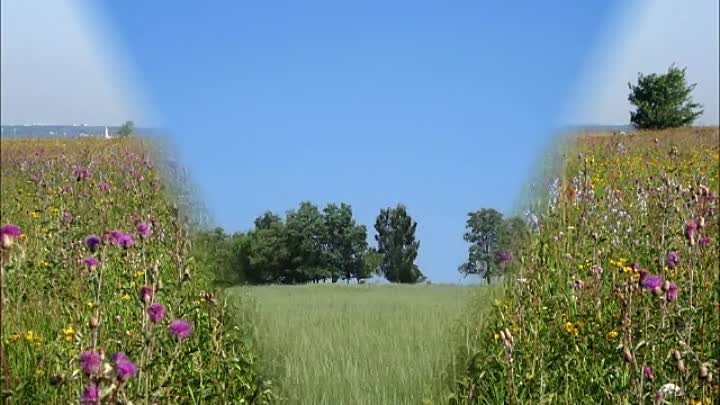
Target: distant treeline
[{"x": 317, "y": 245}]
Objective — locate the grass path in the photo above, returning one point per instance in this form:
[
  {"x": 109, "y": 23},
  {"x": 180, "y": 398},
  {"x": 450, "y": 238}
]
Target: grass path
[{"x": 359, "y": 345}]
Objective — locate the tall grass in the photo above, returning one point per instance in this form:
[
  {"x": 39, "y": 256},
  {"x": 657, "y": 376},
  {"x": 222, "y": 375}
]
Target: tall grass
[
  {"x": 615, "y": 300},
  {"x": 66, "y": 297},
  {"x": 359, "y": 345}
]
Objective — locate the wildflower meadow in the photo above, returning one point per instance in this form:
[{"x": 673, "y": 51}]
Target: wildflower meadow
[
  {"x": 615, "y": 298},
  {"x": 102, "y": 300}
]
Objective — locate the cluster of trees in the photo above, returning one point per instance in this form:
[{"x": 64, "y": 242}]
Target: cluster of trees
[
  {"x": 493, "y": 241},
  {"x": 310, "y": 245},
  {"x": 314, "y": 245}
]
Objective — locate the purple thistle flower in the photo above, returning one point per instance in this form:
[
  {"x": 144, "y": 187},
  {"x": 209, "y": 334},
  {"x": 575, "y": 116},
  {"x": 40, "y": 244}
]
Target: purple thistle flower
[
  {"x": 90, "y": 362},
  {"x": 634, "y": 266},
  {"x": 503, "y": 258},
  {"x": 651, "y": 282},
  {"x": 12, "y": 231},
  {"x": 179, "y": 329},
  {"x": 704, "y": 242},
  {"x": 81, "y": 173},
  {"x": 91, "y": 395},
  {"x": 145, "y": 294},
  {"x": 672, "y": 260},
  {"x": 104, "y": 186},
  {"x": 156, "y": 312},
  {"x": 115, "y": 237},
  {"x": 91, "y": 262},
  {"x": 124, "y": 368},
  {"x": 143, "y": 230},
  {"x": 117, "y": 357},
  {"x": 8, "y": 233},
  {"x": 126, "y": 241},
  {"x": 672, "y": 293},
  {"x": 648, "y": 373},
  {"x": 92, "y": 242}
]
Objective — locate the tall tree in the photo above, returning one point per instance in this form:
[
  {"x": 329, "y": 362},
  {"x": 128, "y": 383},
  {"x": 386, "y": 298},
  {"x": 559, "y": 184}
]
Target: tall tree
[
  {"x": 483, "y": 229},
  {"x": 396, "y": 242},
  {"x": 344, "y": 242},
  {"x": 371, "y": 262},
  {"x": 663, "y": 101},
  {"x": 305, "y": 230},
  {"x": 267, "y": 250}
]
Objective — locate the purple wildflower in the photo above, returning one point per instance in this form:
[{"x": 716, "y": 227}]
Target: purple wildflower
[
  {"x": 91, "y": 262},
  {"x": 145, "y": 294},
  {"x": 90, "y": 362},
  {"x": 91, "y": 395},
  {"x": 8, "y": 233},
  {"x": 92, "y": 242},
  {"x": 81, "y": 173},
  {"x": 672, "y": 260},
  {"x": 651, "y": 282},
  {"x": 117, "y": 357},
  {"x": 503, "y": 258},
  {"x": 116, "y": 236},
  {"x": 143, "y": 230},
  {"x": 104, "y": 186},
  {"x": 179, "y": 329},
  {"x": 672, "y": 293},
  {"x": 704, "y": 242},
  {"x": 648, "y": 373},
  {"x": 156, "y": 312},
  {"x": 67, "y": 189},
  {"x": 126, "y": 241},
  {"x": 12, "y": 231},
  {"x": 124, "y": 368}
]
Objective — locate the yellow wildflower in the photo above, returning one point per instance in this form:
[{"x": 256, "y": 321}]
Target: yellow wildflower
[
  {"x": 55, "y": 211},
  {"x": 129, "y": 333},
  {"x": 139, "y": 274},
  {"x": 126, "y": 298},
  {"x": 90, "y": 304},
  {"x": 35, "y": 215},
  {"x": 69, "y": 333},
  {"x": 569, "y": 327},
  {"x": 39, "y": 373},
  {"x": 612, "y": 335},
  {"x": 496, "y": 336},
  {"x": 30, "y": 336}
]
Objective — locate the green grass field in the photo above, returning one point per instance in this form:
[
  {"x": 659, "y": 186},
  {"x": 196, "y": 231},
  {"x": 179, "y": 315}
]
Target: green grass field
[{"x": 360, "y": 345}]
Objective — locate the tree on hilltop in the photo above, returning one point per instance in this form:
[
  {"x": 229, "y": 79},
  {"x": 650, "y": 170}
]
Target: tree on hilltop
[{"x": 663, "y": 100}]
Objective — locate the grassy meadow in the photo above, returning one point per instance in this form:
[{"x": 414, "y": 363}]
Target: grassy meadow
[{"x": 359, "y": 345}]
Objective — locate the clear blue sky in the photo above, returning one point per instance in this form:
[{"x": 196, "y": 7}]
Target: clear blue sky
[{"x": 443, "y": 107}]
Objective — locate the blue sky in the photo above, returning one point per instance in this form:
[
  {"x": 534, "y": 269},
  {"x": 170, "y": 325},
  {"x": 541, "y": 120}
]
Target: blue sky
[{"x": 442, "y": 107}]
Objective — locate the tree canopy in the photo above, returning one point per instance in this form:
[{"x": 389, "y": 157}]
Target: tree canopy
[
  {"x": 396, "y": 242},
  {"x": 663, "y": 100}
]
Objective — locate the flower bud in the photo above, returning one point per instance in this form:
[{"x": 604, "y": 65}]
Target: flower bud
[
  {"x": 657, "y": 291},
  {"x": 94, "y": 322},
  {"x": 508, "y": 335},
  {"x": 57, "y": 379},
  {"x": 6, "y": 241},
  {"x": 701, "y": 222},
  {"x": 628, "y": 355},
  {"x": 681, "y": 366},
  {"x": 666, "y": 286},
  {"x": 704, "y": 373},
  {"x": 676, "y": 355},
  {"x": 502, "y": 335}
]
